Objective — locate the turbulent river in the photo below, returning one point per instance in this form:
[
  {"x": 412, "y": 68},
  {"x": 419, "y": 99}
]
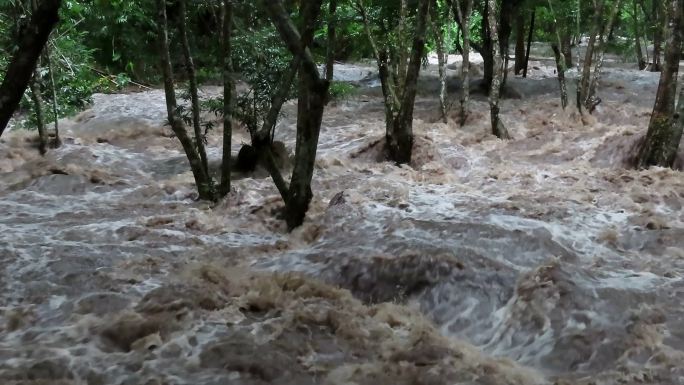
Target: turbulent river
[{"x": 538, "y": 260}]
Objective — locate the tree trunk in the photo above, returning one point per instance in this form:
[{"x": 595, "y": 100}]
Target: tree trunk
[
  {"x": 591, "y": 100},
  {"x": 498, "y": 127},
  {"x": 332, "y": 35},
  {"x": 55, "y": 108},
  {"x": 21, "y": 67},
  {"x": 566, "y": 48},
  {"x": 529, "y": 44},
  {"x": 487, "y": 51},
  {"x": 204, "y": 185},
  {"x": 658, "y": 18},
  {"x": 637, "y": 34},
  {"x": 665, "y": 128},
  {"x": 313, "y": 92},
  {"x": 519, "y": 41},
  {"x": 192, "y": 82},
  {"x": 463, "y": 15},
  {"x": 505, "y": 28},
  {"x": 560, "y": 60},
  {"x": 38, "y": 109},
  {"x": 400, "y": 134},
  {"x": 441, "y": 64},
  {"x": 583, "y": 89},
  {"x": 228, "y": 95}
]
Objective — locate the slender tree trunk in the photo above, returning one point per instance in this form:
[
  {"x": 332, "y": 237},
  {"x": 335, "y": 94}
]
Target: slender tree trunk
[
  {"x": 228, "y": 95},
  {"x": 583, "y": 90},
  {"x": 38, "y": 109},
  {"x": 505, "y": 28},
  {"x": 665, "y": 128},
  {"x": 487, "y": 51},
  {"x": 192, "y": 81},
  {"x": 400, "y": 135},
  {"x": 463, "y": 14},
  {"x": 520, "y": 41},
  {"x": 332, "y": 36},
  {"x": 498, "y": 127},
  {"x": 55, "y": 108},
  {"x": 658, "y": 19},
  {"x": 591, "y": 100},
  {"x": 529, "y": 44},
  {"x": 560, "y": 60},
  {"x": 441, "y": 64},
  {"x": 637, "y": 36},
  {"x": 313, "y": 92},
  {"x": 566, "y": 48},
  {"x": 263, "y": 140},
  {"x": 21, "y": 67},
  {"x": 204, "y": 185}
]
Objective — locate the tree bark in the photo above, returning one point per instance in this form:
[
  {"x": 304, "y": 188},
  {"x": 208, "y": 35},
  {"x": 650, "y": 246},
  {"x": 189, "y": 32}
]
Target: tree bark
[
  {"x": 463, "y": 16},
  {"x": 192, "y": 82},
  {"x": 566, "y": 48},
  {"x": 583, "y": 89},
  {"x": 529, "y": 44},
  {"x": 658, "y": 18},
  {"x": 498, "y": 127},
  {"x": 637, "y": 37},
  {"x": 665, "y": 127},
  {"x": 55, "y": 109},
  {"x": 591, "y": 100},
  {"x": 37, "y": 101},
  {"x": 332, "y": 35},
  {"x": 228, "y": 95},
  {"x": 487, "y": 50},
  {"x": 400, "y": 133},
  {"x": 560, "y": 60},
  {"x": 313, "y": 92},
  {"x": 441, "y": 64},
  {"x": 519, "y": 41},
  {"x": 204, "y": 185},
  {"x": 21, "y": 67}
]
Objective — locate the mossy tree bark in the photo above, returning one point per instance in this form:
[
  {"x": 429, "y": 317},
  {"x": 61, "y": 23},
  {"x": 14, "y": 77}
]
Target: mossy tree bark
[
  {"x": 23, "y": 63},
  {"x": 202, "y": 180},
  {"x": 665, "y": 127}
]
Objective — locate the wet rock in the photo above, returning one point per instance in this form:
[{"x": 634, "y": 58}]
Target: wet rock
[{"x": 247, "y": 159}]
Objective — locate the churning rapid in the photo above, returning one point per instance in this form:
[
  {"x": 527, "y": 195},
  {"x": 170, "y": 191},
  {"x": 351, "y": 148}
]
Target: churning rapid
[{"x": 538, "y": 260}]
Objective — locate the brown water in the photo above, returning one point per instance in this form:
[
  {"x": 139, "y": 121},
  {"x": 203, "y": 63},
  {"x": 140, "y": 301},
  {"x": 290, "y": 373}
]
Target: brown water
[{"x": 533, "y": 261}]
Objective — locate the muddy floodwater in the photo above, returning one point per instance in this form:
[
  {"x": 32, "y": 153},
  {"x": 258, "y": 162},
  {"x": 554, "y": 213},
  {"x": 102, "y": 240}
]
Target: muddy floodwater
[{"x": 539, "y": 260}]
